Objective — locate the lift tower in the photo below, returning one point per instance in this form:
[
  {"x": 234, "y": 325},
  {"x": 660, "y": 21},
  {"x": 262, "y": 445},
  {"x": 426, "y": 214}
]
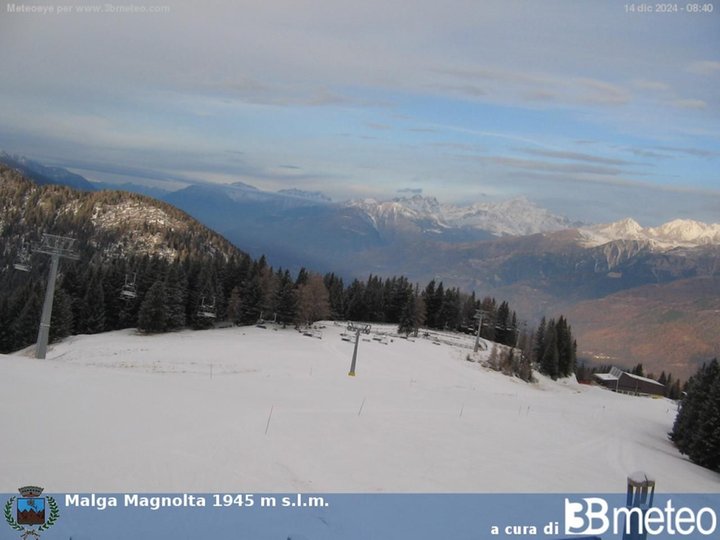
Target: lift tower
[{"x": 56, "y": 247}]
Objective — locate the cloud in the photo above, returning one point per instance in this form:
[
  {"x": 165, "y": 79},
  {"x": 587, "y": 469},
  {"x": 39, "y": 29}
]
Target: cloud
[
  {"x": 504, "y": 84},
  {"x": 422, "y": 130},
  {"x": 546, "y": 166},
  {"x": 575, "y": 156},
  {"x": 656, "y": 86},
  {"x": 252, "y": 91},
  {"x": 379, "y": 126},
  {"x": 598, "y": 92},
  {"x": 641, "y": 152},
  {"x": 704, "y": 67},
  {"x": 410, "y": 191},
  {"x": 557, "y": 180},
  {"x": 277, "y": 81},
  {"x": 694, "y": 152},
  {"x": 689, "y": 103}
]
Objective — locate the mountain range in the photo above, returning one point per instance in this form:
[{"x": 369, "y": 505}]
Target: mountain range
[
  {"x": 110, "y": 224},
  {"x": 541, "y": 263},
  {"x": 623, "y": 286},
  {"x": 43, "y": 175}
]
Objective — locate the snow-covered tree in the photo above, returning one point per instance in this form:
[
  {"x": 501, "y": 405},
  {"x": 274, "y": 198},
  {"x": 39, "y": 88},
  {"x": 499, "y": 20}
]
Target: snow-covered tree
[
  {"x": 153, "y": 315},
  {"x": 696, "y": 431}
]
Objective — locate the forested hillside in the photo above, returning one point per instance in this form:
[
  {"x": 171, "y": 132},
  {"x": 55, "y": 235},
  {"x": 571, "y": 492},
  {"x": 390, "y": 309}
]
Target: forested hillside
[
  {"x": 122, "y": 238},
  {"x": 145, "y": 264}
]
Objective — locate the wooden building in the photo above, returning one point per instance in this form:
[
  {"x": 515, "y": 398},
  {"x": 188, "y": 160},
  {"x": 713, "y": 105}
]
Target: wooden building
[{"x": 620, "y": 381}]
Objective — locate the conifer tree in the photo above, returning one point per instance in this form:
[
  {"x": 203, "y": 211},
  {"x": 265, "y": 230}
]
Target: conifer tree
[
  {"x": 524, "y": 368},
  {"x": 113, "y": 279},
  {"x": 549, "y": 364},
  {"x": 539, "y": 345},
  {"x": 286, "y": 299},
  {"x": 374, "y": 299},
  {"x": 24, "y": 328},
  {"x": 412, "y": 316},
  {"x": 489, "y": 308},
  {"x": 566, "y": 348},
  {"x": 61, "y": 322},
  {"x": 176, "y": 291},
  {"x": 5, "y": 321},
  {"x": 399, "y": 293},
  {"x": 696, "y": 431},
  {"x": 336, "y": 292},
  {"x": 450, "y": 309},
  {"x": 705, "y": 447},
  {"x": 251, "y": 299},
  {"x": 356, "y": 310},
  {"x": 431, "y": 305},
  {"x": 233, "y": 308},
  {"x": 493, "y": 359},
  {"x": 153, "y": 314},
  {"x": 93, "y": 315},
  {"x": 675, "y": 390},
  {"x": 469, "y": 308},
  {"x": 302, "y": 277},
  {"x": 502, "y": 324}
]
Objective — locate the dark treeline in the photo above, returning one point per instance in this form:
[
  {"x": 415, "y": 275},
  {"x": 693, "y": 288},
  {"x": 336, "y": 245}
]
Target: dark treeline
[
  {"x": 696, "y": 431},
  {"x": 554, "y": 348},
  {"x": 173, "y": 295}
]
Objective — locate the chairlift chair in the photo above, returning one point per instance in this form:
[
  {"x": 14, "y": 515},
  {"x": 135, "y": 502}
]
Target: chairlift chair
[
  {"x": 207, "y": 310},
  {"x": 22, "y": 262},
  {"x": 128, "y": 291}
]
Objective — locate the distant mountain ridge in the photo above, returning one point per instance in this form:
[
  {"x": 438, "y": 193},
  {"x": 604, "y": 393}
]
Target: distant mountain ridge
[
  {"x": 673, "y": 234},
  {"x": 116, "y": 223},
  {"x": 43, "y": 175},
  {"x": 295, "y": 228},
  {"x": 515, "y": 217}
]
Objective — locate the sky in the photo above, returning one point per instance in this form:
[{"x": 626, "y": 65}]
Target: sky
[{"x": 593, "y": 111}]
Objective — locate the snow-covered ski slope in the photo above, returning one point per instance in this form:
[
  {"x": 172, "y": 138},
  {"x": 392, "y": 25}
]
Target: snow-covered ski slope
[{"x": 257, "y": 410}]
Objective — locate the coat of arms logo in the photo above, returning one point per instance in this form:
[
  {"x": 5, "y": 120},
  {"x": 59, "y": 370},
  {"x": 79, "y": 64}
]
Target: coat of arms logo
[{"x": 33, "y": 513}]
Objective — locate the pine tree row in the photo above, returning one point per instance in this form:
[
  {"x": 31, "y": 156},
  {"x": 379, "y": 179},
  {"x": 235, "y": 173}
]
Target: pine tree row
[
  {"x": 171, "y": 295},
  {"x": 555, "y": 349},
  {"x": 696, "y": 431}
]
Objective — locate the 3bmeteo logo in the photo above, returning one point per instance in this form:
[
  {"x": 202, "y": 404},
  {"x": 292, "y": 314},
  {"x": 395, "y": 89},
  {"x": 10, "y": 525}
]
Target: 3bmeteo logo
[{"x": 593, "y": 516}]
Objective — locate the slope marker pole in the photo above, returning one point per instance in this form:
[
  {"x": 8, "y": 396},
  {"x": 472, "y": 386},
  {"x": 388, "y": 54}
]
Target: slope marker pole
[{"x": 267, "y": 426}]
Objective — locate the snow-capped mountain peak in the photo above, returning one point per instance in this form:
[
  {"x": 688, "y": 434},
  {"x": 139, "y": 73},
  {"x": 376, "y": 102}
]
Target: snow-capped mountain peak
[
  {"x": 676, "y": 233},
  {"x": 428, "y": 206},
  {"x": 413, "y": 209},
  {"x": 514, "y": 217},
  {"x": 687, "y": 230},
  {"x": 625, "y": 229}
]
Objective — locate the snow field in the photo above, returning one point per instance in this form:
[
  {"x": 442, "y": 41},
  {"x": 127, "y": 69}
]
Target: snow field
[{"x": 256, "y": 410}]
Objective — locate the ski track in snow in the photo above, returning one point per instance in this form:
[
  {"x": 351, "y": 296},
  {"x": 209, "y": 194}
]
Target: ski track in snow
[{"x": 250, "y": 409}]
